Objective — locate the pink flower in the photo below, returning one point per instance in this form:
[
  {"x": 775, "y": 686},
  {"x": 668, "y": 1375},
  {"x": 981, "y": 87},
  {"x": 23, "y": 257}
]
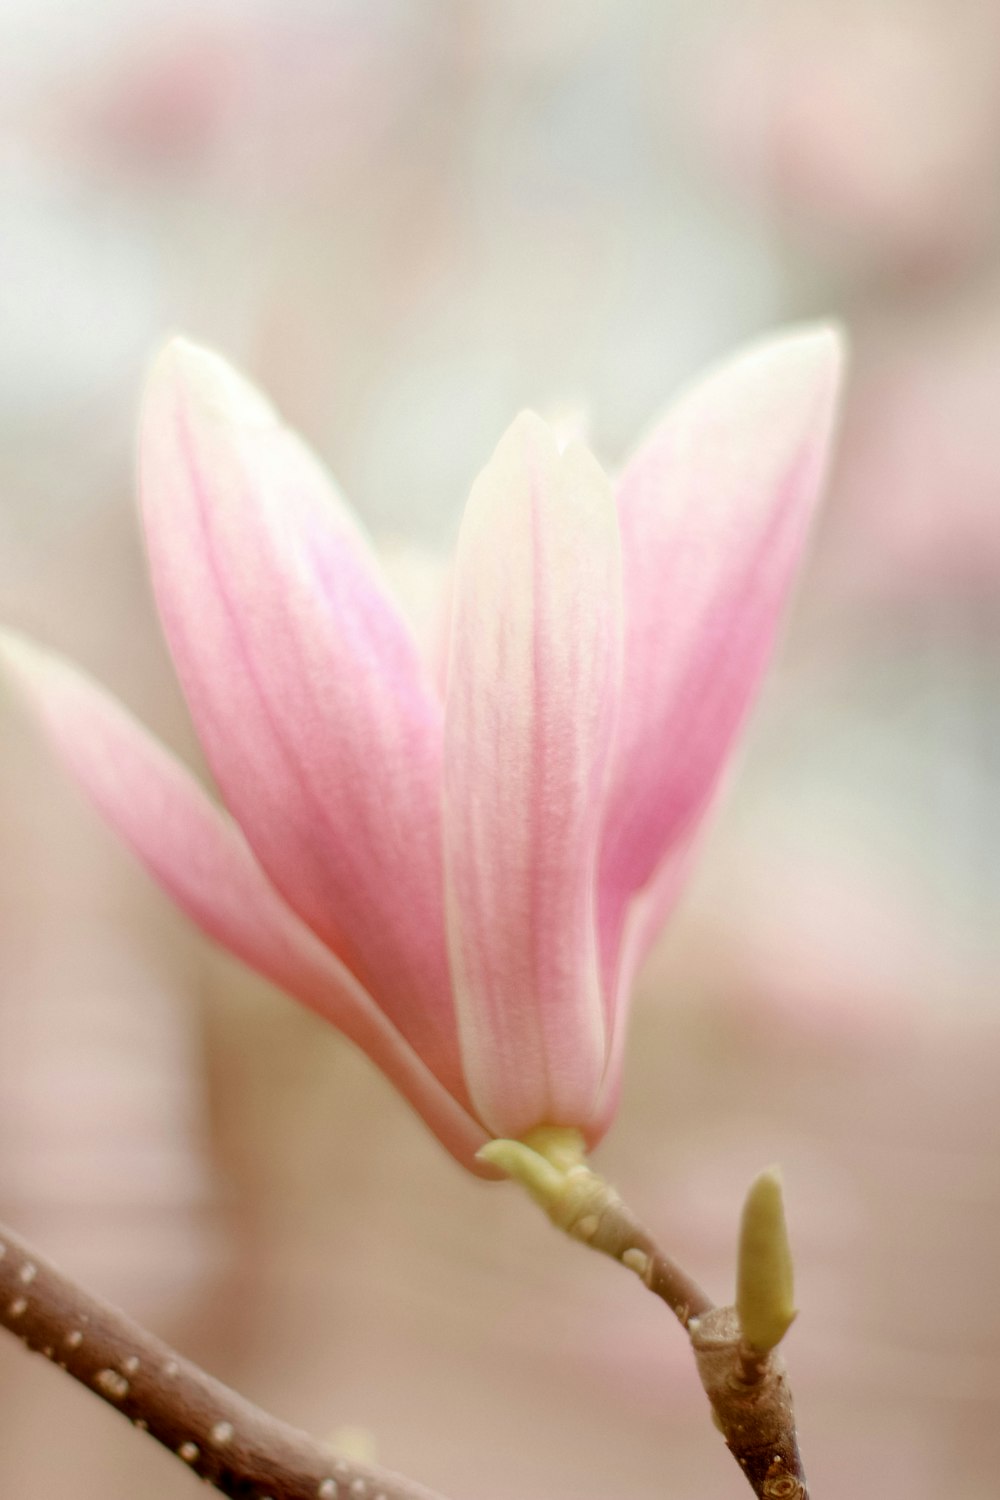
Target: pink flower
[{"x": 465, "y": 881}]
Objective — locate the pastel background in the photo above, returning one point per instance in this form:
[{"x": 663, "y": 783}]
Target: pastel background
[{"x": 408, "y": 219}]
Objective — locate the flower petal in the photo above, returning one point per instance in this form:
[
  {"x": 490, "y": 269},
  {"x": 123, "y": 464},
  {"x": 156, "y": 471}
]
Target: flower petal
[
  {"x": 320, "y": 724},
  {"x": 202, "y": 860},
  {"x": 530, "y": 710},
  {"x": 714, "y": 511}
]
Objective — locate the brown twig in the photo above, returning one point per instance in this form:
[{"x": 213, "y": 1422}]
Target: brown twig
[
  {"x": 250, "y": 1455},
  {"x": 746, "y": 1386},
  {"x": 754, "y": 1414},
  {"x": 749, "y": 1393},
  {"x": 600, "y": 1219},
  {"x": 233, "y": 1445}
]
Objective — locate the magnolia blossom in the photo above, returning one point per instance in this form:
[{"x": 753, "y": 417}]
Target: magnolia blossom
[{"x": 461, "y": 866}]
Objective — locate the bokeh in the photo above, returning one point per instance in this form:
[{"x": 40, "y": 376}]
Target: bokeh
[{"x": 408, "y": 219}]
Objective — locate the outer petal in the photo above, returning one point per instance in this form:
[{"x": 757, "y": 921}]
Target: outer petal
[
  {"x": 199, "y": 856},
  {"x": 714, "y": 511},
  {"x": 305, "y": 684},
  {"x": 530, "y": 710}
]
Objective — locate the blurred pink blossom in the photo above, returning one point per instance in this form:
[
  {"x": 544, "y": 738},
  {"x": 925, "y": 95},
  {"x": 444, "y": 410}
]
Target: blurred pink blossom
[
  {"x": 464, "y": 883},
  {"x": 283, "y": 95},
  {"x": 874, "y": 129}
]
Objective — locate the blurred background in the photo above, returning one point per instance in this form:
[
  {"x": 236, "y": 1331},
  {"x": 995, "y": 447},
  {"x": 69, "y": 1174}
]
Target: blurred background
[{"x": 409, "y": 218}]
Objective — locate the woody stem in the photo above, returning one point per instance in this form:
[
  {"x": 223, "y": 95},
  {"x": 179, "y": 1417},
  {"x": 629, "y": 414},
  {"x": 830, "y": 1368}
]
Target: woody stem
[
  {"x": 231, "y": 1444},
  {"x": 749, "y": 1393}
]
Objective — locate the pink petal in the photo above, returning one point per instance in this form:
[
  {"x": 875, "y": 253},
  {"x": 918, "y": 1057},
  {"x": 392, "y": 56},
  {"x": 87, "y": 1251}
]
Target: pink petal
[
  {"x": 530, "y": 710},
  {"x": 202, "y": 860},
  {"x": 714, "y": 510},
  {"x": 305, "y": 684}
]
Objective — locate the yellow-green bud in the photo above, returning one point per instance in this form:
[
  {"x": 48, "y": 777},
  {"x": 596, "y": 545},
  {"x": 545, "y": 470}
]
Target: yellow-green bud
[{"x": 765, "y": 1290}]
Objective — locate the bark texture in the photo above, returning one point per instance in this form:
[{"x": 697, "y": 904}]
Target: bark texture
[{"x": 231, "y": 1444}]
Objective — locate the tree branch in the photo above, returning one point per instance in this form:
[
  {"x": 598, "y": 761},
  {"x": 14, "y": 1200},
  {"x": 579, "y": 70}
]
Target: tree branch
[
  {"x": 250, "y": 1455},
  {"x": 748, "y": 1391},
  {"x": 233, "y": 1445},
  {"x": 746, "y": 1386},
  {"x": 612, "y": 1228}
]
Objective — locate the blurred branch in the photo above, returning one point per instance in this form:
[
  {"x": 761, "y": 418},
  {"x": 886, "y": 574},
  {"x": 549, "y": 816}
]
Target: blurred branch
[{"x": 228, "y": 1442}]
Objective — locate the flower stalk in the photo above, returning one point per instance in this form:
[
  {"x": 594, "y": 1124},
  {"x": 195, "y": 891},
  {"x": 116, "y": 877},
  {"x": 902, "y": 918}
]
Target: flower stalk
[
  {"x": 551, "y": 1165},
  {"x": 735, "y": 1348}
]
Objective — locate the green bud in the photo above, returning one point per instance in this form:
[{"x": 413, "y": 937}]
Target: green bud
[{"x": 764, "y": 1280}]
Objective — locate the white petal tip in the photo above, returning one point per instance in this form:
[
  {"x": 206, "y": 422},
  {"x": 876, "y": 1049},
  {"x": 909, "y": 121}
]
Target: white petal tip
[
  {"x": 820, "y": 343},
  {"x": 777, "y": 385},
  {"x": 18, "y": 656},
  {"x": 570, "y": 423},
  {"x": 213, "y": 384},
  {"x": 528, "y": 431},
  {"x": 813, "y": 353},
  {"x": 40, "y": 680},
  {"x": 530, "y": 440}
]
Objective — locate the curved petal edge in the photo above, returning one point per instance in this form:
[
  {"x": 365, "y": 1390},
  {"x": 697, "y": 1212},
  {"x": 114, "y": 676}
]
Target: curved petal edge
[{"x": 201, "y": 859}]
